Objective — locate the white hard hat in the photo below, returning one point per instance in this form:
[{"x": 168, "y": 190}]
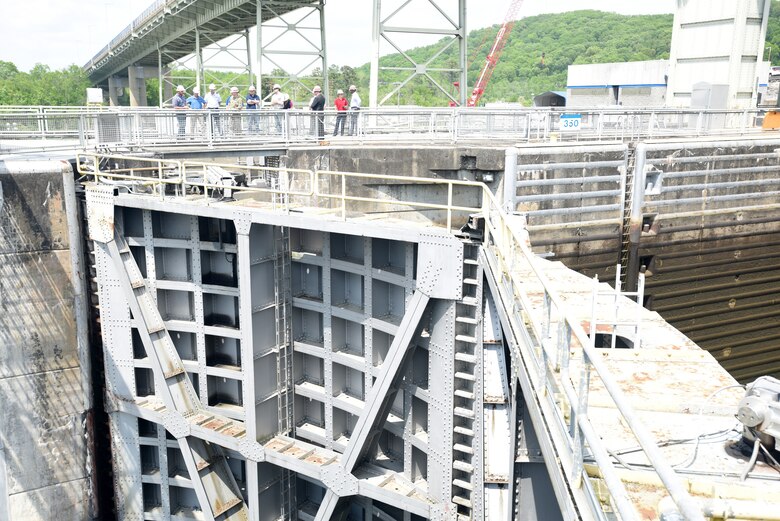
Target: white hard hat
[
  {"x": 340, "y": 91},
  {"x": 277, "y": 86},
  {"x": 252, "y": 87},
  {"x": 233, "y": 89},
  {"x": 316, "y": 88},
  {"x": 212, "y": 87},
  {"x": 180, "y": 88},
  {"x": 352, "y": 87},
  {"x": 196, "y": 90}
]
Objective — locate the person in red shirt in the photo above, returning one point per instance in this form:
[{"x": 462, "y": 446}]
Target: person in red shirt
[{"x": 341, "y": 112}]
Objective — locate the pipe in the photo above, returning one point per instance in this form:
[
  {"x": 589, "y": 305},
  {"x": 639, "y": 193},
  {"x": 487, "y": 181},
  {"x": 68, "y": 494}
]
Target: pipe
[
  {"x": 510, "y": 180},
  {"x": 736, "y": 509},
  {"x": 569, "y": 180},
  {"x": 574, "y": 165},
  {"x": 569, "y": 196}
]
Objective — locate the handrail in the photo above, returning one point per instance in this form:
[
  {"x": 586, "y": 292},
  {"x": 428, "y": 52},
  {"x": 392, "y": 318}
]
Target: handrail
[
  {"x": 96, "y": 127},
  {"x": 508, "y": 244}
]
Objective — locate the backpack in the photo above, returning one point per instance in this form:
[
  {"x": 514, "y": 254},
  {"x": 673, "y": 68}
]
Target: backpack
[{"x": 288, "y": 104}]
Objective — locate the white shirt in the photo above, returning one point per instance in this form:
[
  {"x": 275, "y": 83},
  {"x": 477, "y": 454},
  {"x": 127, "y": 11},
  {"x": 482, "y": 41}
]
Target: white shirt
[
  {"x": 354, "y": 102},
  {"x": 213, "y": 100},
  {"x": 277, "y": 100}
]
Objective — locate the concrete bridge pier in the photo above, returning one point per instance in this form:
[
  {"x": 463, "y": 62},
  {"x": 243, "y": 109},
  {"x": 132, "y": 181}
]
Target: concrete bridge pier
[
  {"x": 136, "y": 79},
  {"x": 116, "y": 86}
]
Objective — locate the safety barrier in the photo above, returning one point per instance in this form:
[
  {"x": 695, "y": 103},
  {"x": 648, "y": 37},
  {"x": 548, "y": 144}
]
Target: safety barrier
[
  {"x": 542, "y": 341},
  {"x": 86, "y": 128}
]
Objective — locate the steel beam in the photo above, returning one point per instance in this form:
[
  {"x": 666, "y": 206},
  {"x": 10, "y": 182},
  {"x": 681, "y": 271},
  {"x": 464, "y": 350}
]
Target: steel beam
[
  {"x": 377, "y": 401},
  {"x": 385, "y": 27}
]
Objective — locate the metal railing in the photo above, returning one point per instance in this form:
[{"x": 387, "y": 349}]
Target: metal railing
[
  {"x": 93, "y": 127},
  {"x": 543, "y": 340}
]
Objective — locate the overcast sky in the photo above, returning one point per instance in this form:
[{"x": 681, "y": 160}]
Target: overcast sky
[{"x": 62, "y": 32}]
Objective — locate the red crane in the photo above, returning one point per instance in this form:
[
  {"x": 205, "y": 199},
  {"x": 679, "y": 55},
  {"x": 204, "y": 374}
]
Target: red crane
[{"x": 495, "y": 53}]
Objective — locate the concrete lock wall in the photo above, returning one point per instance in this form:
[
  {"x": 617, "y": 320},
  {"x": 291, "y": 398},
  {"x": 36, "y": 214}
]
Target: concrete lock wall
[
  {"x": 701, "y": 222},
  {"x": 43, "y": 401}
]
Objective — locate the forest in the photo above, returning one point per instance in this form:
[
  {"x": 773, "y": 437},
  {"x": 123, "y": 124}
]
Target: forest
[{"x": 535, "y": 59}]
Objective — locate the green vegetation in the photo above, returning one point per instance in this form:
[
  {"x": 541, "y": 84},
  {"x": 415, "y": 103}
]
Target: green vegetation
[
  {"x": 42, "y": 86},
  {"x": 535, "y": 59}
]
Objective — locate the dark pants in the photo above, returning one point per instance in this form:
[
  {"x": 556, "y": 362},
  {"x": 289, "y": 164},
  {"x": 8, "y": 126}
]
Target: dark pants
[
  {"x": 353, "y": 121},
  {"x": 320, "y": 120},
  {"x": 341, "y": 118}
]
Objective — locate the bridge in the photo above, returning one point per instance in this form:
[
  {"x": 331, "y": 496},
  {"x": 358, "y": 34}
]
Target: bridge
[{"x": 157, "y": 42}]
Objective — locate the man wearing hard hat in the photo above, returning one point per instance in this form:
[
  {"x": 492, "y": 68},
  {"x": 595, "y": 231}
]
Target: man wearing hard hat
[{"x": 179, "y": 102}]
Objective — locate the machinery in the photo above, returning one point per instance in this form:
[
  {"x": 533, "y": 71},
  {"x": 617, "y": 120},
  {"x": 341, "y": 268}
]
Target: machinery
[
  {"x": 759, "y": 412},
  {"x": 770, "y": 100}
]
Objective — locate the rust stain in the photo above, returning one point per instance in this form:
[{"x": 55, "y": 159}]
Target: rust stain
[
  {"x": 215, "y": 424},
  {"x": 642, "y": 376}
]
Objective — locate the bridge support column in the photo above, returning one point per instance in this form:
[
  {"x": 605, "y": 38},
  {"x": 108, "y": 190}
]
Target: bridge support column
[
  {"x": 137, "y": 84},
  {"x": 449, "y": 24},
  {"x": 278, "y": 34},
  {"x": 115, "y": 85}
]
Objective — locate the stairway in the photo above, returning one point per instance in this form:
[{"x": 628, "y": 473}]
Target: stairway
[
  {"x": 211, "y": 477},
  {"x": 467, "y": 410}
]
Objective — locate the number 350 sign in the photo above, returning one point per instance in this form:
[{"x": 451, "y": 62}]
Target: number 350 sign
[{"x": 570, "y": 122}]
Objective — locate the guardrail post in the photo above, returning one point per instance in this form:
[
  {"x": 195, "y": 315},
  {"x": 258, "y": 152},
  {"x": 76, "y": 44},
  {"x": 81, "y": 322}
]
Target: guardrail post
[
  {"x": 41, "y": 123},
  {"x": 510, "y": 179},
  {"x": 82, "y": 131},
  {"x": 454, "y": 125}
]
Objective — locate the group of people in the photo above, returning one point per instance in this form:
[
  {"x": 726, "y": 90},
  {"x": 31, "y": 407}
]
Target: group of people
[
  {"x": 278, "y": 101},
  {"x": 213, "y": 101},
  {"x": 342, "y": 105}
]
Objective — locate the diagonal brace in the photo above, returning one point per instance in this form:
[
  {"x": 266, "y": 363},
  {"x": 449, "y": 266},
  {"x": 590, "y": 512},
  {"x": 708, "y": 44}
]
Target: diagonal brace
[{"x": 377, "y": 400}]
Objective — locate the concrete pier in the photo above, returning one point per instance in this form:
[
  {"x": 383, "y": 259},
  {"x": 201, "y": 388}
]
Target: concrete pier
[{"x": 44, "y": 469}]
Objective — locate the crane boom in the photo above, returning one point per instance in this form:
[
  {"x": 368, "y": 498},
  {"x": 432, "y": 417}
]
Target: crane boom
[{"x": 495, "y": 53}]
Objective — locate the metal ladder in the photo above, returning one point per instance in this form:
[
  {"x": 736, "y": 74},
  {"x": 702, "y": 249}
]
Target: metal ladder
[
  {"x": 625, "y": 236},
  {"x": 468, "y": 357},
  {"x": 214, "y": 483},
  {"x": 284, "y": 374}
]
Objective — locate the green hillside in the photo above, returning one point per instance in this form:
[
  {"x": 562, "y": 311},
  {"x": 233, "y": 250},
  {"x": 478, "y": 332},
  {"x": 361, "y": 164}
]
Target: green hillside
[{"x": 564, "y": 39}]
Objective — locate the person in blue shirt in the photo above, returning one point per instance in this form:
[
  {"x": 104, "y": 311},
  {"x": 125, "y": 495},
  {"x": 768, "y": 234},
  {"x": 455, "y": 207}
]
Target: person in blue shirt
[
  {"x": 179, "y": 102},
  {"x": 196, "y": 102},
  {"x": 253, "y": 103}
]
